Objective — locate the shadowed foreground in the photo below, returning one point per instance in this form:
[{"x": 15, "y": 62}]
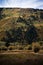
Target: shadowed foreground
[{"x": 26, "y": 58}]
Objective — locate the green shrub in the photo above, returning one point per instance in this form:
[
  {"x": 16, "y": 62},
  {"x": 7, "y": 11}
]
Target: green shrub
[
  {"x": 10, "y": 48},
  {"x": 30, "y": 48},
  {"x": 20, "y": 48},
  {"x": 41, "y": 43},
  {"x": 36, "y": 49},
  {"x": 4, "y": 48},
  {"x": 0, "y": 49}
]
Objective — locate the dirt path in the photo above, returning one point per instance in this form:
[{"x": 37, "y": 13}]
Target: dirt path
[{"x": 21, "y": 52}]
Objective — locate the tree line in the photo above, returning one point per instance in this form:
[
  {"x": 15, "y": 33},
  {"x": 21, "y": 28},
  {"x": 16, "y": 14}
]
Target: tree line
[{"x": 21, "y": 36}]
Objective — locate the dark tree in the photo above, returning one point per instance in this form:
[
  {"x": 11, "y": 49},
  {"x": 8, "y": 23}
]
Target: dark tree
[
  {"x": 33, "y": 18},
  {"x": 21, "y": 20},
  {"x": 13, "y": 34},
  {"x": 7, "y": 44},
  {"x": 8, "y": 36},
  {"x": 19, "y": 35},
  {"x": 7, "y": 39},
  {"x": 41, "y": 15},
  {"x": 1, "y": 9},
  {"x": 31, "y": 34}
]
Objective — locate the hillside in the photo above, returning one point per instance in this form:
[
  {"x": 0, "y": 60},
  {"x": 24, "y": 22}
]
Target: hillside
[
  {"x": 8, "y": 16},
  {"x": 19, "y": 17}
]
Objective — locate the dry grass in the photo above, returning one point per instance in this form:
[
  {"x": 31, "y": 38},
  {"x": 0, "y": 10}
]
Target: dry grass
[{"x": 21, "y": 59}]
